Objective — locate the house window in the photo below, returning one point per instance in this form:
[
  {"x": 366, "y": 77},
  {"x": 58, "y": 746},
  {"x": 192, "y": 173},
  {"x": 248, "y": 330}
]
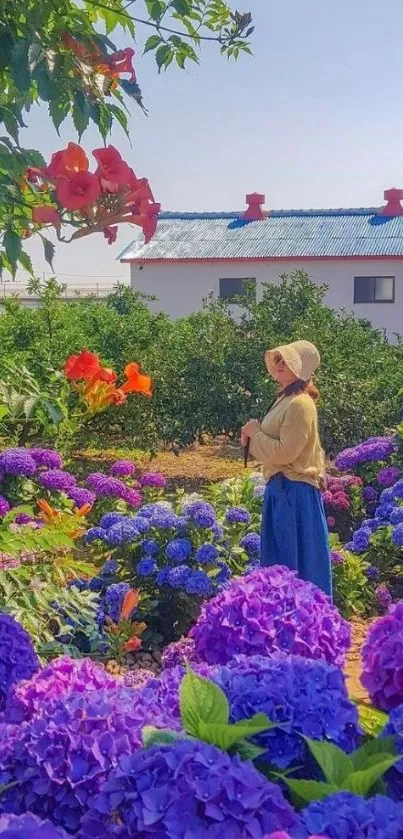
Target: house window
[
  {"x": 374, "y": 289},
  {"x": 232, "y": 289}
]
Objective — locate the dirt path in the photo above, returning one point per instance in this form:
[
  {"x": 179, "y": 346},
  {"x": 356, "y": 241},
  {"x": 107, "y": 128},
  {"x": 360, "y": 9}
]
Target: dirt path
[{"x": 353, "y": 666}]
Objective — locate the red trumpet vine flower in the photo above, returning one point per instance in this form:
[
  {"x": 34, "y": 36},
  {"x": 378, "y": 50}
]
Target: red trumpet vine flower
[
  {"x": 67, "y": 162},
  {"x": 46, "y": 215},
  {"x": 78, "y": 191},
  {"x": 85, "y": 366},
  {"x": 136, "y": 382}
]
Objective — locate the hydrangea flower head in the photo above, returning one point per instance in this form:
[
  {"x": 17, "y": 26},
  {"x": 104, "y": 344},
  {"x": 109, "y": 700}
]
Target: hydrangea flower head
[
  {"x": 109, "y": 519},
  {"x": 29, "y": 826},
  {"x": 397, "y": 535},
  {"x": 388, "y": 476},
  {"x": 147, "y": 567},
  {"x": 113, "y": 600},
  {"x": 109, "y": 487},
  {"x": 178, "y": 550},
  {"x": 46, "y": 687},
  {"x": 336, "y": 558},
  {"x": 4, "y": 506},
  {"x": 382, "y": 659},
  {"x": 153, "y": 479},
  {"x": 270, "y": 610},
  {"x": 47, "y": 457},
  {"x": 383, "y": 596},
  {"x": 61, "y": 757},
  {"x": 206, "y": 554},
  {"x": 95, "y": 534},
  {"x": 122, "y": 468},
  {"x": 348, "y": 816},
  {"x": 177, "y": 576},
  {"x": 150, "y": 547},
  {"x": 18, "y": 659},
  {"x": 190, "y": 790},
  {"x": 201, "y": 513},
  {"x": 361, "y": 539},
  {"x": 251, "y": 543},
  {"x": 238, "y": 515},
  {"x": 178, "y": 653},
  {"x": 18, "y": 462},
  {"x": 57, "y": 480},
  {"x": 122, "y": 533},
  {"x": 376, "y": 449},
  {"x": 199, "y": 584},
  {"x": 81, "y": 496},
  {"x": 132, "y": 497}
]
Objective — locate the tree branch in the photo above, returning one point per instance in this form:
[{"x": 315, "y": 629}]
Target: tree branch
[{"x": 157, "y": 26}]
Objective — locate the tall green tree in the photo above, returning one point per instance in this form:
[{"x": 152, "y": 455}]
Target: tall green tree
[{"x": 61, "y": 55}]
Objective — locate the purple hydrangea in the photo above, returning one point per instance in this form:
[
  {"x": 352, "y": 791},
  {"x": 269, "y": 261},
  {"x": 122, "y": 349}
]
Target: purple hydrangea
[
  {"x": 396, "y": 516},
  {"x": 94, "y": 534},
  {"x": 361, "y": 539},
  {"x": 24, "y": 518},
  {"x": 113, "y": 600},
  {"x": 237, "y": 515},
  {"x": 122, "y": 468},
  {"x": 336, "y": 557},
  {"x": 47, "y": 457},
  {"x": 187, "y": 789},
  {"x": 372, "y": 573},
  {"x": 206, "y": 554},
  {"x": 18, "y": 659},
  {"x": 388, "y": 476},
  {"x": 56, "y": 479},
  {"x": 376, "y": 449},
  {"x": 394, "y": 728},
  {"x": 178, "y": 653},
  {"x": 60, "y": 757},
  {"x": 141, "y": 523},
  {"x": 47, "y": 687},
  {"x": 383, "y": 596},
  {"x": 132, "y": 497},
  {"x": 108, "y": 487},
  {"x": 147, "y": 567},
  {"x": 94, "y": 478},
  {"x": 178, "y": 550},
  {"x": 81, "y": 496},
  {"x": 251, "y": 543},
  {"x": 271, "y": 610},
  {"x": 397, "y": 535},
  {"x": 153, "y": 479},
  {"x": 109, "y": 519},
  {"x": 302, "y": 697},
  {"x": 122, "y": 533},
  {"x": 29, "y": 826},
  {"x": 18, "y": 462},
  {"x": 138, "y": 678},
  {"x": 382, "y": 658},
  {"x": 348, "y": 816},
  {"x": 369, "y": 494},
  {"x": 4, "y": 506}
]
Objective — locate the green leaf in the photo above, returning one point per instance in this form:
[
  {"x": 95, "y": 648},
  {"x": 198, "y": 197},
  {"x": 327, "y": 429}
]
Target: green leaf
[
  {"x": 53, "y": 411},
  {"x": 155, "y": 737},
  {"x": 201, "y": 701},
  {"x": 164, "y": 56},
  {"x": 151, "y": 43},
  {"x": 372, "y": 720},
  {"x": 12, "y": 245},
  {"x": 182, "y": 7},
  {"x": 155, "y": 9},
  {"x": 25, "y": 260},
  {"x": 49, "y": 251},
  {"x": 361, "y": 782},
  {"x": 58, "y": 110},
  {"x": 225, "y": 735},
  {"x": 19, "y": 66},
  {"x": 81, "y": 113},
  {"x": 334, "y": 763},
  {"x": 310, "y": 790},
  {"x": 385, "y": 746}
]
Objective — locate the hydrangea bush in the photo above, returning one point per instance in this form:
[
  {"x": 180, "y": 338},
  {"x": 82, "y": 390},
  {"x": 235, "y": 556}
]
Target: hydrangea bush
[
  {"x": 18, "y": 659},
  {"x": 187, "y": 789},
  {"x": 60, "y": 757},
  {"x": 270, "y": 610},
  {"x": 348, "y": 816},
  {"x": 382, "y": 660}
]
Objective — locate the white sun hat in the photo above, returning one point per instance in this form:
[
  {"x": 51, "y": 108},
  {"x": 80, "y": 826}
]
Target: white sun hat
[{"x": 301, "y": 357}]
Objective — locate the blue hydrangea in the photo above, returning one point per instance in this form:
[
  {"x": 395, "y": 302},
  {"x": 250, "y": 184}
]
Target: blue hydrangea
[
  {"x": 217, "y": 531},
  {"x": 372, "y": 524},
  {"x": 238, "y": 515},
  {"x": 387, "y": 496},
  {"x": 348, "y": 816},
  {"x": 178, "y": 550},
  {"x": 384, "y": 511},
  {"x": 109, "y": 567},
  {"x": 201, "y": 513},
  {"x": 397, "y": 536},
  {"x": 394, "y": 728},
  {"x": 187, "y": 789},
  {"x": 141, "y": 523},
  {"x": 251, "y": 543},
  {"x": 177, "y": 576},
  {"x": 163, "y": 577},
  {"x": 198, "y": 583},
  {"x": 150, "y": 547},
  {"x": 166, "y": 520},
  {"x": 224, "y": 573},
  {"x": 372, "y": 573},
  {"x": 206, "y": 554},
  {"x": 302, "y": 696},
  {"x": 122, "y": 533},
  {"x": 96, "y": 584},
  {"x": 147, "y": 567},
  {"x": 361, "y": 539},
  {"x": 29, "y": 826},
  {"x": 113, "y": 600},
  {"x": 94, "y": 534},
  {"x": 397, "y": 489},
  {"x": 109, "y": 519},
  {"x": 396, "y": 516}
]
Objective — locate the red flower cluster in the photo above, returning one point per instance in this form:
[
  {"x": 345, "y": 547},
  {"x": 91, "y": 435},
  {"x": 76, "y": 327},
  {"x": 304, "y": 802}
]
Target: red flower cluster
[
  {"x": 112, "y": 65},
  {"x": 97, "y": 385},
  {"x": 95, "y": 201}
]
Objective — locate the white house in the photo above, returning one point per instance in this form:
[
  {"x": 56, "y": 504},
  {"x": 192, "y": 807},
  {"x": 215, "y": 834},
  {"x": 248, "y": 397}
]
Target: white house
[{"x": 357, "y": 253}]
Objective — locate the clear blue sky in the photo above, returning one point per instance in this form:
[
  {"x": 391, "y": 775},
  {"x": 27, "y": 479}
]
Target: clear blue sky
[{"x": 313, "y": 119}]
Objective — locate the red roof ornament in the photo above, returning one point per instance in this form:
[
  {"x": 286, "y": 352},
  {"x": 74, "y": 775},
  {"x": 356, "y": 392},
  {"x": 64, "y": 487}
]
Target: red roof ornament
[
  {"x": 254, "y": 211},
  {"x": 393, "y": 197}
]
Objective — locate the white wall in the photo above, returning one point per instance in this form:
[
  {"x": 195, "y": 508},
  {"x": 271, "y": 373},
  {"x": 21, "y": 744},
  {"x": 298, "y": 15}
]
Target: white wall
[{"x": 180, "y": 288}]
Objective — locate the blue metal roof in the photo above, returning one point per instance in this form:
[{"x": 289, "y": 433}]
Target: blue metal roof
[{"x": 283, "y": 234}]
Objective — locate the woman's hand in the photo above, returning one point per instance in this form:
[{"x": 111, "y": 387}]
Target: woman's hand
[{"x": 248, "y": 430}]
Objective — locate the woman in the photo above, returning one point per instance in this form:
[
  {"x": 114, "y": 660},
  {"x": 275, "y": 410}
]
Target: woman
[{"x": 294, "y": 529}]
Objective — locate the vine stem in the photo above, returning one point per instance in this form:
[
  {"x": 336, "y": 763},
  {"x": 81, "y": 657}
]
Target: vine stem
[{"x": 154, "y": 25}]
